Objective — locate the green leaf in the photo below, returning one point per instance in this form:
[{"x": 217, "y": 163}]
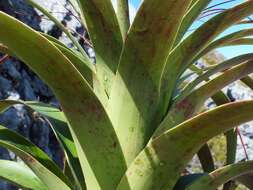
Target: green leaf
[
  {"x": 151, "y": 167},
  {"x": 135, "y": 93},
  {"x": 83, "y": 110},
  {"x": 54, "y": 40},
  {"x": 235, "y": 38},
  {"x": 20, "y": 175},
  {"x": 105, "y": 34},
  {"x": 221, "y": 176},
  {"x": 123, "y": 16},
  {"x": 59, "y": 125},
  {"x": 189, "y": 105},
  {"x": 192, "y": 14},
  {"x": 86, "y": 70},
  {"x": 231, "y": 136},
  {"x": 240, "y": 41},
  {"x": 218, "y": 68},
  {"x": 85, "y": 67},
  {"x": 60, "y": 25},
  {"x": 186, "y": 52},
  {"x": 36, "y": 159},
  {"x": 86, "y": 60},
  {"x": 220, "y": 98},
  {"x": 216, "y": 84}
]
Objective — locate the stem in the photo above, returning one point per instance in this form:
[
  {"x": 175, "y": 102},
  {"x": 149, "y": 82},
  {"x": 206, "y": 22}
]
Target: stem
[{"x": 243, "y": 144}]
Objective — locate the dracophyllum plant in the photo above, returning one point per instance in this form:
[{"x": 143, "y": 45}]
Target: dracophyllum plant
[{"x": 133, "y": 120}]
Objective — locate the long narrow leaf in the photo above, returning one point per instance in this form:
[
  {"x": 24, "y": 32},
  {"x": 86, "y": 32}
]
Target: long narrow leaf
[
  {"x": 35, "y": 158},
  {"x": 135, "y": 89},
  {"x": 231, "y": 136},
  {"x": 104, "y": 30},
  {"x": 83, "y": 109},
  {"x": 191, "y": 16},
  {"x": 220, "y": 67},
  {"x": 227, "y": 40},
  {"x": 20, "y": 175},
  {"x": 221, "y": 176},
  {"x": 60, "y": 25},
  {"x": 189, "y": 105},
  {"x": 183, "y": 55},
  {"x": 59, "y": 125},
  {"x": 151, "y": 167},
  {"x": 86, "y": 60}
]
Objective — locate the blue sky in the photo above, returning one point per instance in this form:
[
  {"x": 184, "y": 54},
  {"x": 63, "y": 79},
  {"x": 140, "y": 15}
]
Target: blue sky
[{"x": 229, "y": 51}]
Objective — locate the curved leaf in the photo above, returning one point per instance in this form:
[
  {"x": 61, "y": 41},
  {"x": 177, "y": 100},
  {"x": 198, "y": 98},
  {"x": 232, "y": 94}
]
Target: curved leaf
[
  {"x": 240, "y": 41},
  {"x": 185, "y": 53},
  {"x": 87, "y": 61},
  {"x": 58, "y": 43},
  {"x": 59, "y": 125},
  {"x": 83, "y": 109},
  {"x": 218, "y": 68},
  {"x": 221, "y": 176},
  {"x": 197, "y": 7},
  {"x": 20, "y": 175},
  {"x": 231, "y": 136},
  {"x": 53, "y": 39},
  {"x": 35, "y": 158},
  {"x": 60, "y": 25},
  {"x": 151, "y": 167},
  {"x": 189, "y": 105},
  {"x": 86, "y": 70},
  {"x": 246, "y": 180},
  {"x": 227, "y": 40}
]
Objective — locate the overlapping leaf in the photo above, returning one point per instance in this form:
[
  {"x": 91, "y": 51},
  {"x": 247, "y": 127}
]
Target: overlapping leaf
[
  {"x": 221, "y": 176},
  {"x": 186, "y": 52},
  {"x": 151, "y": 167},
  {"x": 35, "y": 158},
  {"x": 59, "y": 125},
  {"x": 135, "y": 93},
  {"x": 80, "y": 105},
  {"x": 20, "y": 175}
]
